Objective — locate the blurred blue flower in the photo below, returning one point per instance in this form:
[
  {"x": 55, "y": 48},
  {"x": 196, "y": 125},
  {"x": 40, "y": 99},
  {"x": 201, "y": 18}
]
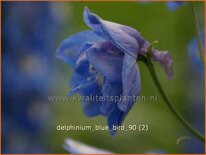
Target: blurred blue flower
[
  {"x": 196, "y": 99},
  {"x": 174, "y": 5},
  {"x": 27, "y": 64},
  {"x": 104, "y": 63},
  {"x": 76, "y": 147},
  {"x": 194, "y": 54}
]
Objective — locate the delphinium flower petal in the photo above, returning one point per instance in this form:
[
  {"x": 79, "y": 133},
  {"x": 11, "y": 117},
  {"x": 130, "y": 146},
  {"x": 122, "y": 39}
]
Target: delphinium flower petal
[{"x": 76, "y": 147}]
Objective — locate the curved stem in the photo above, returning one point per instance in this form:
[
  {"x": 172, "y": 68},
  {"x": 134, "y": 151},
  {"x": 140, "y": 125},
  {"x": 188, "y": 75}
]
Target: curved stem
[
  {"x": 150, "y": 66},
  {"x": 197, "y": 32}
]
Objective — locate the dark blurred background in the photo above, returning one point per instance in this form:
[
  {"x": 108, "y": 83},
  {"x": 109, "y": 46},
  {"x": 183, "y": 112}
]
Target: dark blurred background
[{"x": 31, "y": 33}]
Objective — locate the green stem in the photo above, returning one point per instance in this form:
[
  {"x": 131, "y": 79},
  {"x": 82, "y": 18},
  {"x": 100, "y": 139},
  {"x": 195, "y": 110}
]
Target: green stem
[
  {"x": 150, "y": 66},
  {"x": 197, "y": 32}
]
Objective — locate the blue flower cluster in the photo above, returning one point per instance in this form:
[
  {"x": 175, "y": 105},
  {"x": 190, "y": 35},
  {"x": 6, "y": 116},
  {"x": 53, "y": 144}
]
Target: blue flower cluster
[{"x": 26, "y": 65}]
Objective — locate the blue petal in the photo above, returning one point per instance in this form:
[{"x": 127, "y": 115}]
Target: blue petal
[
  {"x": 115, "y": 119},
  {"x": 83, "y": 69},
  {"x": 106, "y": 60},
  {"x": 77, "y": 82},
  {"x": 91, "y": 106},
  {"x": 82, "y": 64},
  {"x": 131, "y": 82},
  {"x": 68, "y": 50},
  {"x": 82, "y": 50},
  {"x": 111, "y": 91},
  {"x": 125, "y": 38}
]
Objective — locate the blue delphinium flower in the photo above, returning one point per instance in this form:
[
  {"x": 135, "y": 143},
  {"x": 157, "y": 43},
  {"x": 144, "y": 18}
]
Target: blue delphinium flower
[
  {"x": 194, "y": 54},
  {"x": 27, "y": 29},
  {"x": 76, "y": 147},
  {"x": 174, "y": 5},
  {"x": 104, "y": 63}
]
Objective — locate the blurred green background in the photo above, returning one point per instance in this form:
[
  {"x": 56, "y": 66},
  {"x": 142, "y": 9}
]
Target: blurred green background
[{"x": 173, "y": 30}]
